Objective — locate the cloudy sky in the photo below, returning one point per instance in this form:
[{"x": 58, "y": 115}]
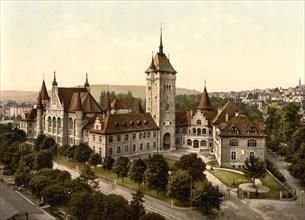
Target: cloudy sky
[{"x": 235, "y": 45}]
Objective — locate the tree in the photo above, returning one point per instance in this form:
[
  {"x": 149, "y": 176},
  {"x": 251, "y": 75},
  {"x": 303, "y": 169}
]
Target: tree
[
  {"x": 179, "y": 185},
  {"x": 152, "y": 216},
  {"x": 80, "y": 205},
  {"x": 137, "y": 208},
  {"x": 82, "y": 153},
  {"x": 38, "y": 183},
  {"x": 47, "y": 143},
  {"x": 38, "y": 141},
  {"x": 193, "y": 165},
  {"x": 297, "y": 166},
  {"x": 94, "y": 159},
  {"x": 108, "y": 163},
  {"x": 298, "y": 138},
  {"x": 88, "y": 177},
  {"x": 137, "y": 171},
  {"x": 70, "y": 151},
  {"x": 254, "y": 168},
  {"x": 116, "y": 207},
  {"x": 43, "y": 159},
  {"x": 206, "y": 197},
  {"x": 290, "y": 120},
  {"x": 157, "y": 173},
  {"x": 121, "y": 167},
  {"x": 55, "y": 194}
]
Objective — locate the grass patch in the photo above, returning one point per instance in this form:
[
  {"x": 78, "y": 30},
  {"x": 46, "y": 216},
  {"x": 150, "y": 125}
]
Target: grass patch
[
  {"x": 230, "y": 179},
  {"x": 274, "y": 186}
]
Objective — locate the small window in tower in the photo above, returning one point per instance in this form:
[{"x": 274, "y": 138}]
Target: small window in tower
[{"x": 149, "y": 88}]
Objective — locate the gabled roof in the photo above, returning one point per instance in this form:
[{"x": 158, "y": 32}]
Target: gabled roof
[
  {"x": 13, "y": 204},
  {"x": 122, "y": 123},
  {"x": 230, "y": 108},
  {"x": 119, "y": 104},
  {"x": 183, "y": 118},
  {"x": 242, "y": 123},
  {"x": 44, "y": 92},
  {"x": 205, "y": 103},
  {"x": 70, "y": 99},
  {"x": 31, "y": 116},
  {"x": 161, "y": 64}
]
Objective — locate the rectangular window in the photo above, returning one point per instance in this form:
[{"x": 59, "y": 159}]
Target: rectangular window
[
  {"x": 93, "y": 137},
  {"x": 118, "y": 137},
  {"x": 110, "y": 139},
  {"x": 126, "y": 137},
  {"x": 148, "y": 134},
  {"x": 100, "y": 138},
  {"x": 134, "y": 136},
  {"x": 155, "y": 134}
]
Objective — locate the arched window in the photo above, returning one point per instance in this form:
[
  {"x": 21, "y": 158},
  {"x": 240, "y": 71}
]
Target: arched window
[
  {"x": 126, "y": 148},
  {"x": 54, "y": 125},
  {"x": 170, "y": 87},
  {"x": 110, "y": 151},
  {"x": 154, "y": 144},
  {"x": 194, "y": 130},
  {"x": 198, "y": 122},
  {"x": 233, "y": 142},
  {"x": 189, "y": 142},
  {"x": 233, "y": 155},
  {"x": 118, "y": 150},
  {"x": 252, "y": 154},
  {"x": 70, "y": 123},
  {"x": 141, "y": 146},
  {"x": 140, "y": 135},
  {"x": 134, "y": 147},
  {"x": 234, "y": 130},
  {"x": 252, "y": 130},
  {"x": 148, "y": 146},
  {"x": 203, "y": 143},
  {"x": 252, "y": 143},
  {"x": 196, "y": 144},
  {"x": 198, "y": 131},
  {"x": 49, "y": 124},
  {"x": 204, "y": 131},
  {"x": 166, "y": 107},
  {"x": 59, "y": 123}
]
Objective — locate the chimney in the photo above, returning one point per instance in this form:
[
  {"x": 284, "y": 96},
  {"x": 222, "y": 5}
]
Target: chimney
[
  {"x": 227, "y": 117},
  {"x": 236, "y": 113}
]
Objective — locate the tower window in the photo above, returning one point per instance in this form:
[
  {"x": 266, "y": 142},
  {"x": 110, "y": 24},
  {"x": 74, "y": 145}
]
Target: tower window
[{"x": 166, "y": 107}]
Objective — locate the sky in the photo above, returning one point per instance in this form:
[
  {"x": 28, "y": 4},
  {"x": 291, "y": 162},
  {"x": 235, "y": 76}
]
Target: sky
[{"x": 234, "y": 45}]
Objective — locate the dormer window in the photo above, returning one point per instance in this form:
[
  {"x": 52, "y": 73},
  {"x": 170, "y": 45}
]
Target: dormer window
[
  {"x": 234, "y": 130},
  {"x": 252, "y": 130}
]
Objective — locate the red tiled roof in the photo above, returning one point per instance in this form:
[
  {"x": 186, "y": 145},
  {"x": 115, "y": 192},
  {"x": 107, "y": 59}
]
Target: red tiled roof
[
  {"x": 122, "y": 123},
  {"x": 139, "y": 108},
  {"x": 205, "y": 103},
  {"x": 31, "y": 116},
  {"x": 230, "y": 108},
  {"x": 242, "y": 123},
  {"x": 44, "y": 92},
  {"x": 119, "y": 104}
]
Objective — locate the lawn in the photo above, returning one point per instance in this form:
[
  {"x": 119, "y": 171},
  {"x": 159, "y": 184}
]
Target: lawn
[{"x": 275, "y": 187}]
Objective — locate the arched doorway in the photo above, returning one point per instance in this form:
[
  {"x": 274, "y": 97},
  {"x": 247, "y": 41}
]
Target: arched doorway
[{"x": 166, "y": 141}]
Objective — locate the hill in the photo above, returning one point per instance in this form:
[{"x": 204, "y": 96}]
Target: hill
[{"x": 137, "y": 91}]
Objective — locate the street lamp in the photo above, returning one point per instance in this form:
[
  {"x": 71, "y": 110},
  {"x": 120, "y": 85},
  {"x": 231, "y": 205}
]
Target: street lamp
[{"x": 302, "y": 197}]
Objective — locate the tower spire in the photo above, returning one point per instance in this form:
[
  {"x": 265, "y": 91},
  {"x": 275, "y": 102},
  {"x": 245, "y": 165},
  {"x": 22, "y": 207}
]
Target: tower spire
[
  {"x": 86, "y": 83},
  {"x": 161, "y": 45},
  {"x": 54, "y": 80}
]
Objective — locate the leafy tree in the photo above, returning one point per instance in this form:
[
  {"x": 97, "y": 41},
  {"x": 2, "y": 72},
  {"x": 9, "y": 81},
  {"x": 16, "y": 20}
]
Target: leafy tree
[
  {"x": 38, "y": 183},
  {"x": 24, "y": 175},
  {"x": 116, "y": 207},
  {"x": 80, "y": 205},
  {"x": 297, "y": 166},
  {"x": 108, "y": 163},
  {"x": 206, "y": 197},
  {"x": 70, "y": 151},
  {"x": 43, "y": 159},
  {"x": 88, "y": 177},
  {"x": 298, "y": 138},
  {"x": 55, "y": 194},
  {"x": 157, "y": 173},
  {"x": 62, "y": 150},
  {"x": 193, "y": 165},
  {"x": 98, "y": 209},
  {"x": 77, "y": 185},
  {"x": 82, "y": 153},
  {"x": 179, "y": 185},
  {"x": 47, "y": 143},
  {"x": 152, "y": 216},
  {"x": 121, "y": 167},
  {"x": 95, "y": 159},
  {"x": 290, "y": 120},
  {"x": 137, "y": 208},
  {"x": 254, "y": 168},
  {"x": 137, "y": 171},
  {"x": 38, "y": 141}
]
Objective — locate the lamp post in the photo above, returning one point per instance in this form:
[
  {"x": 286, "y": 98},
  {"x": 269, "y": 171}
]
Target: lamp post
[{"x": 302, "y": 198}]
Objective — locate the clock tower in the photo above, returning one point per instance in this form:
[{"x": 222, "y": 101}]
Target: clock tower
[{"x": 160, "y": 97}]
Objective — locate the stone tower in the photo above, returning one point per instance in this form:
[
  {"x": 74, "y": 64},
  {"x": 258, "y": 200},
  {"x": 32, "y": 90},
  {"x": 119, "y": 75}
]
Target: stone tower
[{"x": 160, "y": 97}]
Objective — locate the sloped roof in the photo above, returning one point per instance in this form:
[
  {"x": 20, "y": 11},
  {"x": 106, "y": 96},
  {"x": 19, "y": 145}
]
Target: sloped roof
[
  {"x": 205, "y": 103},
  {"x": 122, "y": 123},
  {"x": 229, "y": 108},
  {"x": 44, "y": 92},
  {"x": 183, "y": 118},
  {"x": 119, "y": 104},
  {"x": 70, "y": 98},
  {"x": 243, "y": 123},
  {"x": 39, "y": 103},
  {"x": 161, "y": 64},
  {"x": 13, "y": 204},
  {"x": 31, "y": 116}
]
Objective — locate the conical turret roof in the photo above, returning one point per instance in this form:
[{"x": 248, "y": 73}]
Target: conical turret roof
[
  {"x": 39, "y": 104},
  {"x": 44, "y": 92},
  {"x": 107, "y": 104},
  {"x": 139, "y": 108},
  {"x": 205, "y": 103}
]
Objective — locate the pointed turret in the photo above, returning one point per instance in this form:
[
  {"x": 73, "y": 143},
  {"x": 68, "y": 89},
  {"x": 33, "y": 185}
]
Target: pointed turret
[
  {"x": 54, "y": 83},
  {"x": 87, "y": 86},
  {"x": 139, "y": 108},
  {"x": 39, "y": 103},
  {"x": 161, "y": 45},
  {"x": 152, "y": 65},
  {"x": 44, "y": 92},
  {"x": 205, "y": 104}
]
